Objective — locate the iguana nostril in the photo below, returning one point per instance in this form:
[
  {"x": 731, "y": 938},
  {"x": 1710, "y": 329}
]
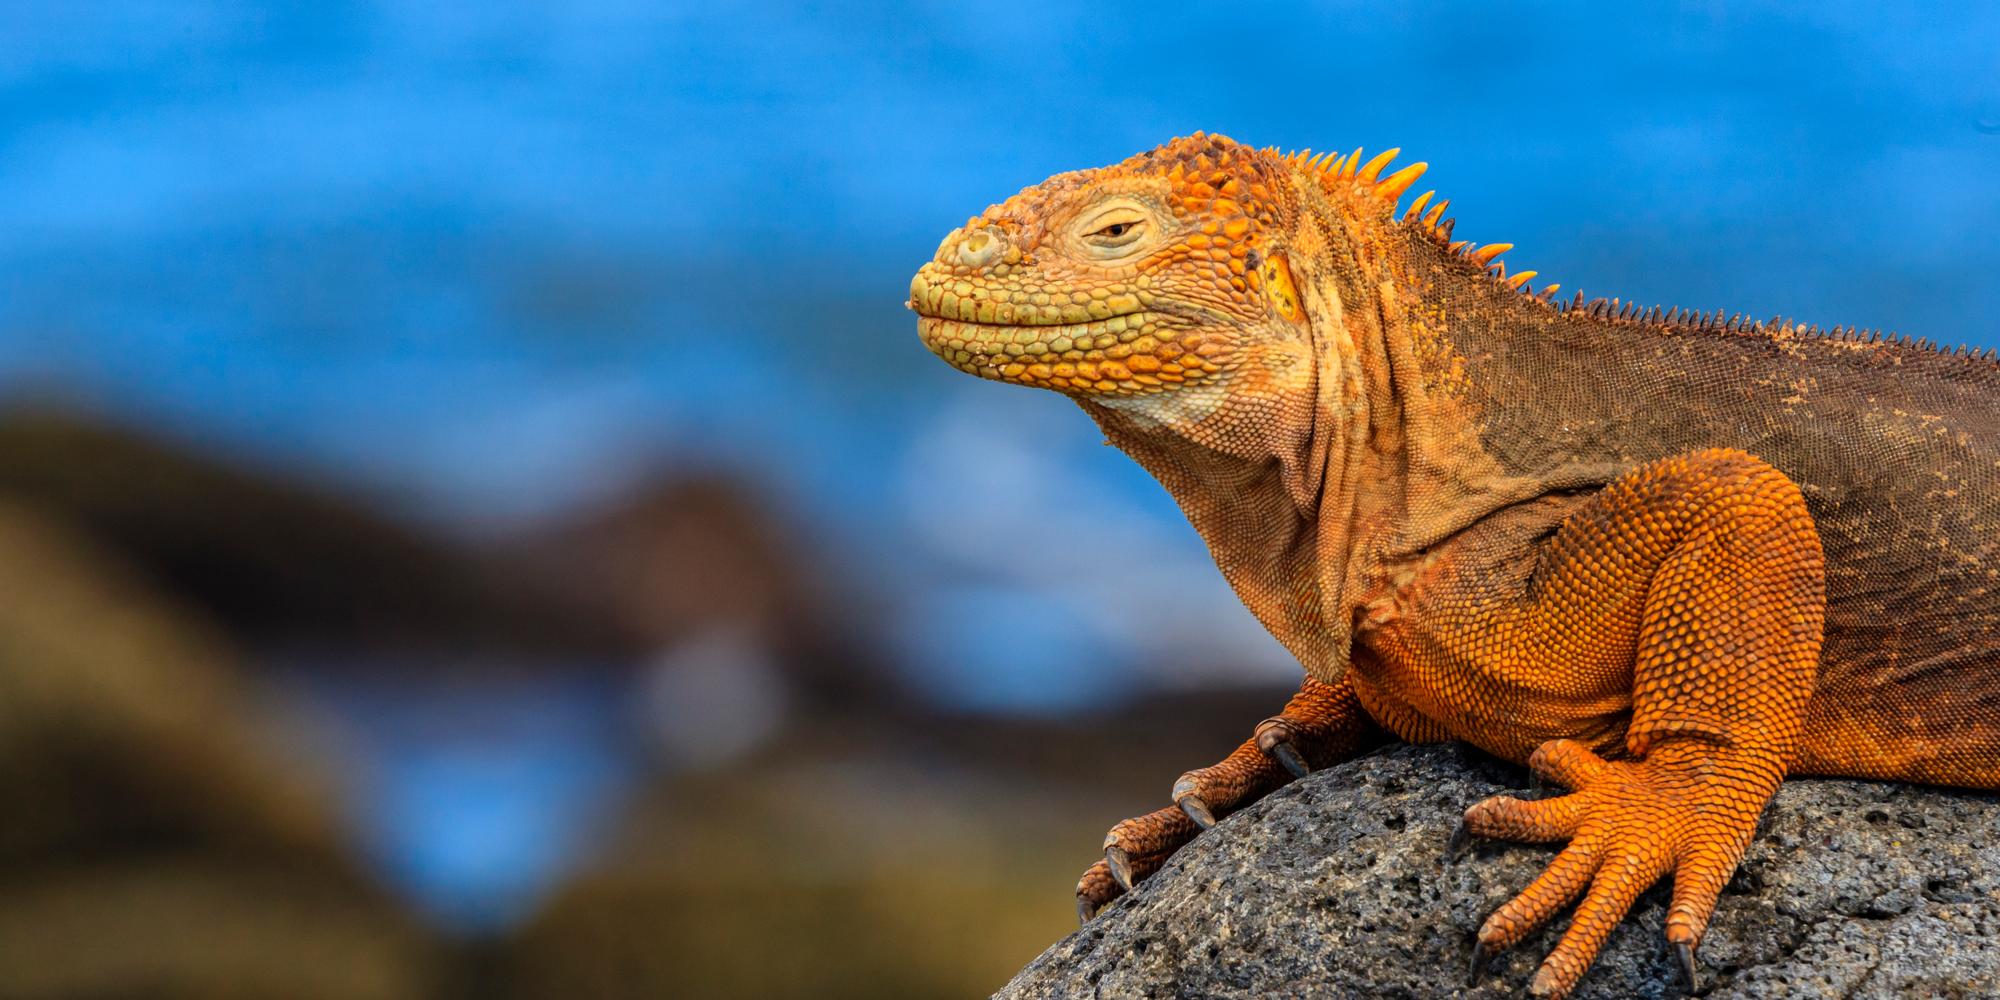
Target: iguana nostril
[{"x": 978, "y": 249}]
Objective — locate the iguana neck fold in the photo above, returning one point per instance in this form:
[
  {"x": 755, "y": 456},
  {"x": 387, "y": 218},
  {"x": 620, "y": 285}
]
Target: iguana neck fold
[
  {"x": 1312, "y": 486},
  {"x": 1285, "y": 464}
]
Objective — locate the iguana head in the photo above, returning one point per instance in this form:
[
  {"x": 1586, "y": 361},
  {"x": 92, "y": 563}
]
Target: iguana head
[
  {"x": 1167, "y": 270},
  {"x": 1127, "y": 280}
]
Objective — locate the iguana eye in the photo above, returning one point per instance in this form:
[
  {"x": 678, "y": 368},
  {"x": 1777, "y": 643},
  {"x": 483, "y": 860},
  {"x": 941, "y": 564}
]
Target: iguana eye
[{"x": 1113, "y": 233}]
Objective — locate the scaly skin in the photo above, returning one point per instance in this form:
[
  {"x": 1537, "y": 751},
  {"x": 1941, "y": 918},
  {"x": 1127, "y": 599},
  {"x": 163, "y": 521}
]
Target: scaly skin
[{"x": 1663, "y": 559}]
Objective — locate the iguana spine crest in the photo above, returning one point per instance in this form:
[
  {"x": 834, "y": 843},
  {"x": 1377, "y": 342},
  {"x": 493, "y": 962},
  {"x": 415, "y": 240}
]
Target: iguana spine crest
[{"x": 1363, "y": 186}]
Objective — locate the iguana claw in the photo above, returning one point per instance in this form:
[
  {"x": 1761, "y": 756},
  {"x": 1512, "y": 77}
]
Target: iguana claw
[
  {"x": 1322, "y": 724},
  {"x": 1455, "y": 846},
  {"x": 1197, "y": 810},
  {"x": 1685, "y": 953},
  {"x": 1480, "y": 956},
  {"x": 1121, "y": 866},
  {"x": 1277, "y": 737},
  {"x": 1289, "y": 757}
]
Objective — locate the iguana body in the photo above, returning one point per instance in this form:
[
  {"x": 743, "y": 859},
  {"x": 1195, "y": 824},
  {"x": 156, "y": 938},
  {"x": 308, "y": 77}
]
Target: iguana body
[{"x": 1662, "y": 558}]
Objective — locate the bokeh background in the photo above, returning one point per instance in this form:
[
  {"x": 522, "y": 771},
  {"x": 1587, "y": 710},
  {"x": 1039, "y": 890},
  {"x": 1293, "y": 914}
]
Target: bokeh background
[{"x": 476, "y": 520}]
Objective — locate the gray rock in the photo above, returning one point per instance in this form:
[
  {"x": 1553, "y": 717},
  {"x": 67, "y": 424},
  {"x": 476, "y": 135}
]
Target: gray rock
[{"x": 1336, "y": 886}]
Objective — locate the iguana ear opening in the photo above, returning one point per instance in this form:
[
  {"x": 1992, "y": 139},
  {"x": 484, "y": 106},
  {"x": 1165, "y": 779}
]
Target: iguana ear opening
[{"x": 1275, "y": 276}]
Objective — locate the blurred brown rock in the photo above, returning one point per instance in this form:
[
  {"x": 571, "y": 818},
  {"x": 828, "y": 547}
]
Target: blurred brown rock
[
  {"x": 159, "y": 842},
  {"x": 277, "y": 561},
  {"x": 904, "y": 856},
  {"x": 702, "y": 556}
]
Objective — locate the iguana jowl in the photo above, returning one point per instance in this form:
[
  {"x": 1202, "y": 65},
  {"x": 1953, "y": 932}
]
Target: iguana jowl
[{"x": 1664, "y": 558}]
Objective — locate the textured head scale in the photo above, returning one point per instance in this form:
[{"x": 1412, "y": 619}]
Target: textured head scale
[{"x": 1122, "y": 281}]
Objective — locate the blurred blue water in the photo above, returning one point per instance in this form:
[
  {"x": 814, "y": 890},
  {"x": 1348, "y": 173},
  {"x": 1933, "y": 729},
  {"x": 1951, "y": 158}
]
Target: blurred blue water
[
  {"x": 491, "y": 263},
  {"x": 476, "y": 798},
  {"x": 476, "y": 257}
]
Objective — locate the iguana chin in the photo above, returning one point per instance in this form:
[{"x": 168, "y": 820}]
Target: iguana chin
[{"x": 1663, "y": 558}]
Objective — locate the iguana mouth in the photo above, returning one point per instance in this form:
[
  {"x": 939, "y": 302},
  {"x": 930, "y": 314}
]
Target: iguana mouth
[
  {"x": 1127, "y": 353},
  {"x": 1105, "y": 339}
]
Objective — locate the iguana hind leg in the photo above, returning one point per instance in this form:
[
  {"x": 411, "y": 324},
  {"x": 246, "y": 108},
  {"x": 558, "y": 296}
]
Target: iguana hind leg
[
  {"x": 1729, "y": 586},
  {"x": 1323, "y": 724}
]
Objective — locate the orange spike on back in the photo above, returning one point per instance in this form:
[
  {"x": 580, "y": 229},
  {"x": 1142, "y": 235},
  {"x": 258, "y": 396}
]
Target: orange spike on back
[
  {"x": 1393, "y": 186},
  {"x": 1373, "y": 169},
  {"x": 1349, "y": 175}
]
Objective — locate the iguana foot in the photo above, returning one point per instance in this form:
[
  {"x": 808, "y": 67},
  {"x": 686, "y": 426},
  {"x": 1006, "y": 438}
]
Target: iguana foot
[
  {"x": 1688, "y": 808},
  {"x": 1321, "y": 725}
]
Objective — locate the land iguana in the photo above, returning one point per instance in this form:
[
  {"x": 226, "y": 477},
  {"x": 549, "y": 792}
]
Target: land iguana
[{"x": 1664, "y": 558}]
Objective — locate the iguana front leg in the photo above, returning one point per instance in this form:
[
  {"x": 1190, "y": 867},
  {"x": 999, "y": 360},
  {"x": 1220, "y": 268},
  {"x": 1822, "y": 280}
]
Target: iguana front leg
[
  {"x": 1323, "y": 724},
  {"x": 1725, "y": 587}
]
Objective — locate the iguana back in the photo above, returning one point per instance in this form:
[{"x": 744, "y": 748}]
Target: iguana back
[{"x": 1895, "y": 445}]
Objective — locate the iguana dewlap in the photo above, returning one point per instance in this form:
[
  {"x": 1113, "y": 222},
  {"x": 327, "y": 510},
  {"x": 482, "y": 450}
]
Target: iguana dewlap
[{"x": 1663, "y": 558}]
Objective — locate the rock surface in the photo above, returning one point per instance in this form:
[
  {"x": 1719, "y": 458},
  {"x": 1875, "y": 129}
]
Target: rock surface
[{"x": 1336, "y": 886}]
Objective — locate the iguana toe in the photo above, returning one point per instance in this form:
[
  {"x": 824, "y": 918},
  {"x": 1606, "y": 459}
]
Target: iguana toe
[
  {"x": 1134, "y": 849},
  {"x": 1321, "y": 724},
  {"x": 1687, "y": 809},
  {"x": 1095, "y": 889}
]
